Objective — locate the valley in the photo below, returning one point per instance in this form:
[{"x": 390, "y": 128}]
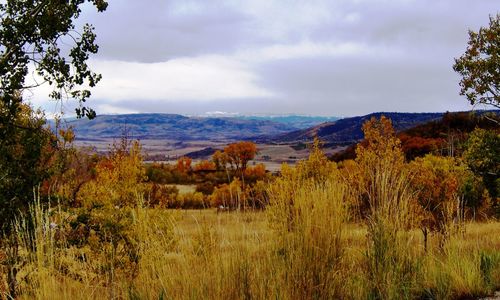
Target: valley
[{"x": 166, "y": 137}]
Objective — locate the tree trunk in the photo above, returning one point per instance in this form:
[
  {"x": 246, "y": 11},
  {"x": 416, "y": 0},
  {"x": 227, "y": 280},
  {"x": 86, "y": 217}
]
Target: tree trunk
[{"x": 425, "y": 232}]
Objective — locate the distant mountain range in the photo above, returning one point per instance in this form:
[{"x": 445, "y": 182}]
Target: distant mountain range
[
  {"x": 295, "y": 121},
  {"x": 174, "y": 127},
  {"x": 264, "y": 129}
]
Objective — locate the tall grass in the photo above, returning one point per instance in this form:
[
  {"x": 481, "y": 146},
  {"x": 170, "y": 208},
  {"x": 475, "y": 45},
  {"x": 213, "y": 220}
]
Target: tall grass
[
  {"x": 202, "y": 254},
  {"x": 307, "y": 236},
  {"x": 296, "y": 249},
  {"x": 391, "y": 263}
]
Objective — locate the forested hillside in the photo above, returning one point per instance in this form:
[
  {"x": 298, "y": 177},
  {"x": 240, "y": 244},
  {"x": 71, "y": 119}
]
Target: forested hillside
[{"x": 445, "y": 136}]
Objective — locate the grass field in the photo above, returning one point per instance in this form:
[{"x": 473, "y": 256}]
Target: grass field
[
  {"x": 313, "y": 240},
  {"x": 202, "y": 254},
  {"x": 185, "y": 188}
]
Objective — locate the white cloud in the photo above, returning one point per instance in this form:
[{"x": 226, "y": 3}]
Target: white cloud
[
  {"x": 201, "y": 78},
  {"x": 114, "y": 109}
]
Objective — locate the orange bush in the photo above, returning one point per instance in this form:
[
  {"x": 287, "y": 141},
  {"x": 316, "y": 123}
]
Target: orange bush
[
  {"x": 205, "y": 165},
  {"x": 255, "y": 173}
]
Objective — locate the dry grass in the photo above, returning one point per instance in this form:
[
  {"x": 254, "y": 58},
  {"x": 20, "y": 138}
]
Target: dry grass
[
  {"x": 241, "y": 255},
  {"x": 185, "y": 188},
  {"x": 202, "y": 254}
]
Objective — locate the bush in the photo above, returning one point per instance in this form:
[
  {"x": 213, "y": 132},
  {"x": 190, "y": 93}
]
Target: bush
[
  {"x": 160, "y": 195},
  {"x": 308, "y": 214},
  {"x": 194, "y": 200},
  {"x": 206, "y": 188},
  {"x": 228, "y": 195}
]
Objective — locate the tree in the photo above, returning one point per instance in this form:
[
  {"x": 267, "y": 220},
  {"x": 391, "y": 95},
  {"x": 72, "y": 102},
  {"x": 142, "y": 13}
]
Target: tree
[
  {"x": 391, "y": 207},
  {"x": 184, "y": 164},
  {"x": 439, "y": 181},
  {"x": 239, "y": 154},
  {"x": 35, "y": 34},
  {"x": 24, "y": 160},
  {"x": 219, "y": 158},
  {"x": 382, "y": 186},
  {"x": 118, "y": 179},
  {"x": 483, "y": 158},
  {"x": 26, "y": 147},
  {"x": 479, "y": 65}
]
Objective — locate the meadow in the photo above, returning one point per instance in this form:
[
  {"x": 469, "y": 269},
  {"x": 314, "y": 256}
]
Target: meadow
[
  {"x": 202, "y": 254},
  {"x": 377, "y": 227}
]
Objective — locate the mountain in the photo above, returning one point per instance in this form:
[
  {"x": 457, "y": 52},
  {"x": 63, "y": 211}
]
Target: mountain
[
  {"x": 263, "y": 129},
  {"x": 348, "y": 130},
  {"x": 295, "y": 121},
  {"x": 174, "y": 127}
]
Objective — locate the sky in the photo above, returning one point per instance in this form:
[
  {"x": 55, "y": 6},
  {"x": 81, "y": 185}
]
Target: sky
[{"x": 330, "y": 58}]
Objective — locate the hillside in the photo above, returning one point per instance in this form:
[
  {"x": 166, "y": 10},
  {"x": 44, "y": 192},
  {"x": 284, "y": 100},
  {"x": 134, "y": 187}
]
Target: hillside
[
  {"x": 174, "y": 127},
  {"x": 348, "y": 130},
  {"x": 443, "y": 135}
]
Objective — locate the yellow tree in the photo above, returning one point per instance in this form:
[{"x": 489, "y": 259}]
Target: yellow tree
[
  {"x": 106, "y": 218},
  {"x": 391, "y": 208},
  {"x": 118, "y": 178},
  {"x": 439, "y": 181},
  {"x": 219, "y": 158},
  {"x": 384, "y": 188}
]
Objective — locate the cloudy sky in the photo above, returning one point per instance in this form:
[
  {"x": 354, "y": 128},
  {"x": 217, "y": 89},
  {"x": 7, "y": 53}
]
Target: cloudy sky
[{"x": 337, "y": 57}]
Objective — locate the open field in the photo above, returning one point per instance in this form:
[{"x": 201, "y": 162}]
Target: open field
[
  {"x": 169, "y": 148},
  {"x": 185, "y": 188},
  {"x": 202, "y": 254},
  {"x": 272, "y": 156}
]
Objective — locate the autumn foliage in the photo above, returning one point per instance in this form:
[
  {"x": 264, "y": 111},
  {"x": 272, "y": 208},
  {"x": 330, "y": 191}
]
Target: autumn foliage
[
  {"x": 239, "y": 154},
  {"x": 204, "y": 165},
  {"x": 184, "y": 164},
  {"x": 386, "y": 219}
]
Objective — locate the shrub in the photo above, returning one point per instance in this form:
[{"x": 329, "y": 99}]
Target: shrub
[
  {"x": 194, "y": 200},
  {"x": 392, "y": 209},
  {"x": 308, "y": 214},
  {"x": 228, "y": 195},
  {"x": 160, "y": 195}
]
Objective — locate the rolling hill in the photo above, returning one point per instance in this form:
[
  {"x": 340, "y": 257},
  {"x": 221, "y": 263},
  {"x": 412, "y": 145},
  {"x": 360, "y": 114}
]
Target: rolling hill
[
  {"x": 180, "y": 128},
  {"x": 348, "y": 130},
  {"x": 174, "y": 127}
]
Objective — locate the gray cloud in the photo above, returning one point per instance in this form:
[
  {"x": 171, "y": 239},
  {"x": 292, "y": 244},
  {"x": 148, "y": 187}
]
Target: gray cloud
[
  {"x": 312, "y": 57},
  {"x": 158, "y": 30},
  {"x": 357, "y": 86}
]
